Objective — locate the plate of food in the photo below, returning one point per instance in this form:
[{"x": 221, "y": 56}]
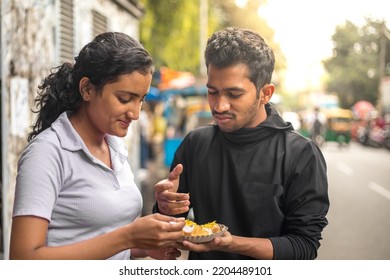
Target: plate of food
[{"x": 196, "y": 233}]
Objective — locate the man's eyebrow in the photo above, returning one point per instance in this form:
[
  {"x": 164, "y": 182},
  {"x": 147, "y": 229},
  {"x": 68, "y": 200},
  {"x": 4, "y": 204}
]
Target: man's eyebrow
[{"x": 226, "y": 89}]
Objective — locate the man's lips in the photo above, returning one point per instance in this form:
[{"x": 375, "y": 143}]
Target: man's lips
[{"x": 222, "y": 117}]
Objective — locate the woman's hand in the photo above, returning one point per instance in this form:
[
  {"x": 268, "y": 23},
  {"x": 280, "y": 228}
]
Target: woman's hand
[{"x": 154, "y": 231}]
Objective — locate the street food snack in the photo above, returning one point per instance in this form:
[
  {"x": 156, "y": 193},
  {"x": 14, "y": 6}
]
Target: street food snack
[{"x": 202, "y": 233}]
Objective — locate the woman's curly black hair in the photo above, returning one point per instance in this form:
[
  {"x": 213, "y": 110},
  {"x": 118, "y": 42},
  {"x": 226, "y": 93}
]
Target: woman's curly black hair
[{"x": 103, "y": 60}]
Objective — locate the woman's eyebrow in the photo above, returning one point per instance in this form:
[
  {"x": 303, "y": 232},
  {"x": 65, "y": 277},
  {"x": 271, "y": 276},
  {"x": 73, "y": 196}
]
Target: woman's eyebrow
[{"x": 129, "y": 92}]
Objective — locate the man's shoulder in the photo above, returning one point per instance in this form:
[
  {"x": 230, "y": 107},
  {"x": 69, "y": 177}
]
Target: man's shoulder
[
  {"x": 201, "y": 136},
  {"x": 202, "y": 131},
  {"x": 297, "y": 140}
]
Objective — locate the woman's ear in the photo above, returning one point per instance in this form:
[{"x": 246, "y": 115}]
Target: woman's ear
[
  {"x": 268, "y": 91},
  {"x": 85, "y": 88}
]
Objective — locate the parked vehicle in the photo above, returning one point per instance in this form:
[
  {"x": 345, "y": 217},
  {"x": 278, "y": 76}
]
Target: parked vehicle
[
  {"x": 335, "y": 126},
  {"x": 376, "y": 133},
  {"x": 338, "y": 125}
]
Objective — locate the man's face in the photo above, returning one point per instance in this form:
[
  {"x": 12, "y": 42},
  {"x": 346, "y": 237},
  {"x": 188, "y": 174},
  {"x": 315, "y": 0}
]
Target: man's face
[{"x": 232, "y": 98}]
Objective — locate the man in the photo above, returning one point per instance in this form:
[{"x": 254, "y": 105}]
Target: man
[
  {"x": 249, "y": 171},
  {"x": 317, "y": 132}
]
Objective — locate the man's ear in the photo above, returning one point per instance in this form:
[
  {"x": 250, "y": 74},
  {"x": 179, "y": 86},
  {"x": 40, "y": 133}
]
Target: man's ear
[
  {"x": 85, "y": 88},
  {"x": 267, "y": 92}
]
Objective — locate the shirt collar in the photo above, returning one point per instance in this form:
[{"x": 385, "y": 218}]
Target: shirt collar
[
  {"x": 67, "y": 135},
  {"x": 118, "y": 152},
  {"x": 70, "y": 140}
]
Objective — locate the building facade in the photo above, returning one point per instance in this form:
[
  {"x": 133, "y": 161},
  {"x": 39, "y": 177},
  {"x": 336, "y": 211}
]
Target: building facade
[{"x": 35, "y": 36}]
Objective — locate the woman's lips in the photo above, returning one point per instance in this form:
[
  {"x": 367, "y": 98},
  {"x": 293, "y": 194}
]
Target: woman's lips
[{"x": 124, "y": 124}]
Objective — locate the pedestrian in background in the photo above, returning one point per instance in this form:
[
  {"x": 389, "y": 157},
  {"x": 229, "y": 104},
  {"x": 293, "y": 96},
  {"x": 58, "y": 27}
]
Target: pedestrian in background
[
  {"x": 250, "y": 171},
  {"x": 318, "y": 127},
  {"x": 75, "y": 192}
]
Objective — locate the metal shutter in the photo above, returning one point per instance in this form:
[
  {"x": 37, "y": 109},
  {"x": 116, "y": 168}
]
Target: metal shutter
[
  {"x": 66, "y": 40},
  {"x": 99, "y": 23}
]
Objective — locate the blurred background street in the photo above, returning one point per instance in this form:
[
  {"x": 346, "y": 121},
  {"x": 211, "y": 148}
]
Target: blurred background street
[
  {"x": 332, "y": 69},
  {"x": 359, "y": 192}
]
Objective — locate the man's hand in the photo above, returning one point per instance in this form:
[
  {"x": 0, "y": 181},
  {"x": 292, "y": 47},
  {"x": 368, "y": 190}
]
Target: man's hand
[
  {"x": 220, "y": 243},
  {"x": 169, "y": 201}
]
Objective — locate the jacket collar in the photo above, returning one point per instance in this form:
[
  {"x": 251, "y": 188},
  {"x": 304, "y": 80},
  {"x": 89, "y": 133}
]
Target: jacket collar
[{"x": 273, "y": 124}]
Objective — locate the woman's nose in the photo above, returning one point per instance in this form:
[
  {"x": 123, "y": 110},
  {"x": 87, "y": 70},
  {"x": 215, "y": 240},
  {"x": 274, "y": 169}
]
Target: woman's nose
[{"x": 133, "y": 113}]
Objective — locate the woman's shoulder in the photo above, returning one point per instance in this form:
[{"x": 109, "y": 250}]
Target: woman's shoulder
[
  {"x": 42, "y": 147},
  {"x": 46, "y": 138}
]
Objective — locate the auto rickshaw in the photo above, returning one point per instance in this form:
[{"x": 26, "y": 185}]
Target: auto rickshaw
[{"x": 338, "y": 127}]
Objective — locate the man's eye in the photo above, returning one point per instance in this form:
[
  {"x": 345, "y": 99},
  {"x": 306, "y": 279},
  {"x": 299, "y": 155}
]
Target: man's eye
[
  {"x": 234, "y": 96},
  {"x": 211, "y": 92}
]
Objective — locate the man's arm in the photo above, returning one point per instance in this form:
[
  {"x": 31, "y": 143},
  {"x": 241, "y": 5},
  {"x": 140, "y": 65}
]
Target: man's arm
[{"x": 257, "y": 248}]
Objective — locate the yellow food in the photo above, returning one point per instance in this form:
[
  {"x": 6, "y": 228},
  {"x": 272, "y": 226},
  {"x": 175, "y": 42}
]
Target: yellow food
[{"x": 193, "y": 229}]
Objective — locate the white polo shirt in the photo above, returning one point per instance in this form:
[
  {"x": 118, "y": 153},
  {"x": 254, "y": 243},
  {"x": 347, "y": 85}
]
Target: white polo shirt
[{"x": 60, "y": 180}]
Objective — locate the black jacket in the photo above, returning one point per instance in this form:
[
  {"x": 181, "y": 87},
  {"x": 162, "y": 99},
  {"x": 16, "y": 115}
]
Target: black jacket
[{"x": 267, "y": 181}]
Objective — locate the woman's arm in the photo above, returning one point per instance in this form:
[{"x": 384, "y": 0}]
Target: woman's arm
[{"x": 28, "y": 239}]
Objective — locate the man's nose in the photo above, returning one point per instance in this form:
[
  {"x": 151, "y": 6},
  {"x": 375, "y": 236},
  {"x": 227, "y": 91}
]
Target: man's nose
[{"x": 222, "y": 104}]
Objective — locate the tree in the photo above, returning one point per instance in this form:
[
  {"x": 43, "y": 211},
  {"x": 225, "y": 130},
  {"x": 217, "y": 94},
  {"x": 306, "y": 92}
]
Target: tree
[
  {"x": 246, "y": 16},
  {"x": 170, "y": 29},
  {"x": 354, "y": 69}
]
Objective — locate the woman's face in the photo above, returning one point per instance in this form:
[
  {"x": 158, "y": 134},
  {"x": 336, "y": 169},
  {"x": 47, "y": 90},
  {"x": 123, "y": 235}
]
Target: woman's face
[
  {"x": 232, "y": 98},
  {"x": 112, "y": 110}
]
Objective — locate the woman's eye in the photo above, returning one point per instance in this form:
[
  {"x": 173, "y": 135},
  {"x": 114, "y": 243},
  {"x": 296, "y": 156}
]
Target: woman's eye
[{"x": 123, "y": 100}]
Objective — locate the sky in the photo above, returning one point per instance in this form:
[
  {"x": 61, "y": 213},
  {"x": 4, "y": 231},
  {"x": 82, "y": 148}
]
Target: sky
[{"x": 303, "y": 29}]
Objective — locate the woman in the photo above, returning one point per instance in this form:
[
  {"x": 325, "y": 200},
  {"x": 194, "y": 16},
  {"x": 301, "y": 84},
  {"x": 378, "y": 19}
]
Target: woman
[{"x": 75, "y": 192}]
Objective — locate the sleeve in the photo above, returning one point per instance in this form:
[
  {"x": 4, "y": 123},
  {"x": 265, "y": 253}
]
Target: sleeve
[
  {"x": 307, "y": 204},
  {"x": 39, "y": 179}
]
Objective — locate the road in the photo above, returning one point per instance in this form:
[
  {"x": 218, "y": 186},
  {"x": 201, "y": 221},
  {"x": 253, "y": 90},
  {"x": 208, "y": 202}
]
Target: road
[{"x": 359, "y": 215}]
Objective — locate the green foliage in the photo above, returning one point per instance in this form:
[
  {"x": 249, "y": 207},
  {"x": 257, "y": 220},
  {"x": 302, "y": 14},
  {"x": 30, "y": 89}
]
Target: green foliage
[
  {"x": 247, "y": 17},
  {"x": 353, "y": 71},
  {"x": 170, "y": 29}
]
